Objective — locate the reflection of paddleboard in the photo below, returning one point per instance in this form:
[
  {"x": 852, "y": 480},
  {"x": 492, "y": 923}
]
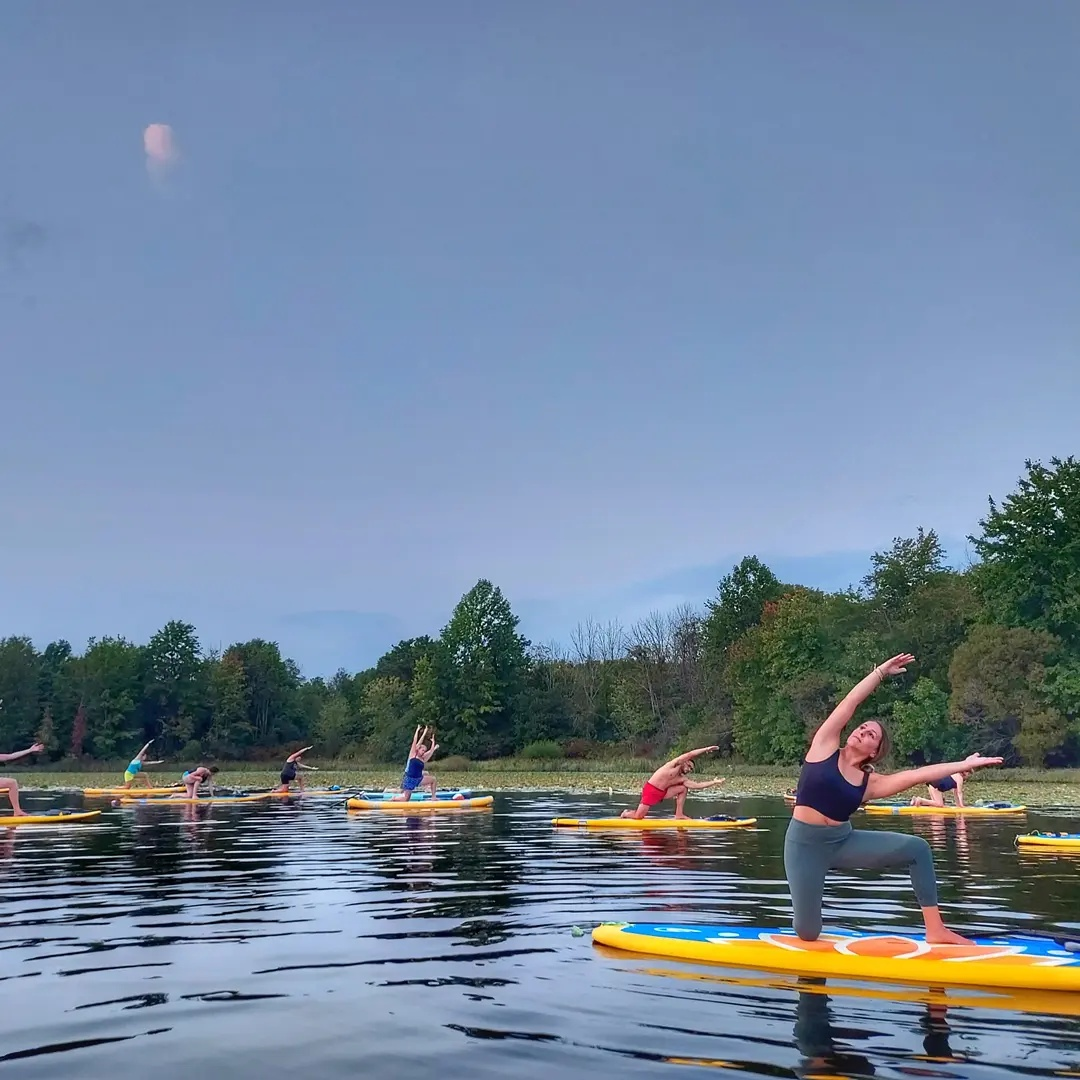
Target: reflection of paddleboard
[
  {"x": 652, "y": 823},
  {"x": 1059, "y": 841},
  {"x": 47, "y": 819},
  {"x": 1057, "y": 1002},
  {"x": 420, "y": 804},
  {"x": 990, "y": 808},
  {"x": 1012, "y": 961}
]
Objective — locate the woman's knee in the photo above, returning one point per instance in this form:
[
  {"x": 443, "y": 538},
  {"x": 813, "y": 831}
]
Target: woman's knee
[{"x": 807, "y": 925}]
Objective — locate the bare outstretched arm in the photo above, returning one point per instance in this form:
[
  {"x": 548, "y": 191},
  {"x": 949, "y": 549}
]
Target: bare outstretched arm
[
  {"x": 827, "y": 737},
  {"x": 882, "y": 786},
  {"x": 19, "y": 754},
  {"x": 695, "y": 785},
  {"x": 691, "y": 754}
]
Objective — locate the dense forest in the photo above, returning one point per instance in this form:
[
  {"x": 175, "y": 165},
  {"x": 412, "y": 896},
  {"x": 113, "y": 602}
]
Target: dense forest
[{"x": 997, "y": 647}]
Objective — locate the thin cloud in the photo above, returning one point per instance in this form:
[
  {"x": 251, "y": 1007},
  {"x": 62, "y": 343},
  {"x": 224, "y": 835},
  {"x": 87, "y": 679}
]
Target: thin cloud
[{"x": 161, "y": 150}]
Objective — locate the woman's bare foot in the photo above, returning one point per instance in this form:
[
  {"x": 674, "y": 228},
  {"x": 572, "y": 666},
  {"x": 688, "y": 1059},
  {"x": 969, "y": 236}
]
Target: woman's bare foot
[{"x": 944, "y": 936}]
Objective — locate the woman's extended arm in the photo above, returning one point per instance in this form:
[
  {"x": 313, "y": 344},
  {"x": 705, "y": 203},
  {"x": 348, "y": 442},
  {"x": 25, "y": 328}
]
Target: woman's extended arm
[
  {"x": 35, "y": 749},
  {"x": 881, "y": 786},
  {"x": 827, "y": 737}
]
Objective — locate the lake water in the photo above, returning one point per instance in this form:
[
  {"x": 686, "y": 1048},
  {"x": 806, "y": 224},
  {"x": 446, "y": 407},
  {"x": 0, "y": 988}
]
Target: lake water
[{"x": 268, "y": 939}]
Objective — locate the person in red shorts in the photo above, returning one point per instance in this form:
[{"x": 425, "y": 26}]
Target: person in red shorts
[{"x": 669, "y": 782}]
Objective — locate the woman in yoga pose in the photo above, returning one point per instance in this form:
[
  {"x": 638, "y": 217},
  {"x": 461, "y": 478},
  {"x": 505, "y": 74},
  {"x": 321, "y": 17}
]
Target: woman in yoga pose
[{"x": 834, "y": 782}]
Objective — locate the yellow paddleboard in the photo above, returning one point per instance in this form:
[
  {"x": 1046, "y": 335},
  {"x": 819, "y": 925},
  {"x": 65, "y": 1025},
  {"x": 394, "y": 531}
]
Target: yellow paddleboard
[
  {"x": 1013, "y": 961},
  {"x": 651, "y": 823},
  {"x": 1059, "y": 841},
  {"x": 889, "y": 808},
  {"x": 421, "y": 804},
  {"x": 108, "y": 792},
  {"x": 183, "y": 800},
  {"x": 47, "y": 819}
]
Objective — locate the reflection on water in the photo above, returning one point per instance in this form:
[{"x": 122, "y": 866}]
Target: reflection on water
[{"x": 274, "y": 937}]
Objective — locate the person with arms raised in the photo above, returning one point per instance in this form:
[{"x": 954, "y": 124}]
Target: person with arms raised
[{"x": 834, "y": 782}]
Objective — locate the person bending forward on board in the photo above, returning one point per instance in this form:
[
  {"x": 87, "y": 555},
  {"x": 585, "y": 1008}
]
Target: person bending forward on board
[
  {"x": 196, "y": 779},
  {"x": 834, "y": 782},
  {"x": 289, "y": 771},
  {"x": 416, "y": 774},
  {"x": 137, "y": 762},
  {"x": 11, "y": 784},
  {"x": 937, "y": 790},
  {"x": 670, "y": 782}
]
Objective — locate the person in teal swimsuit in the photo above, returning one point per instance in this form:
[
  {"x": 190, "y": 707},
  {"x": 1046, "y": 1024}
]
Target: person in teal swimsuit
[{"x": 135, "y": 768}]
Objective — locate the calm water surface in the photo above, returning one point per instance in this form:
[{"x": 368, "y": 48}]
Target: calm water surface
[{"x": 254, "y": 940}]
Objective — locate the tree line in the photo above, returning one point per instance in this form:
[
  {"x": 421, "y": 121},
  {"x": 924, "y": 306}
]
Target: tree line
[{"x": 997, "y": 646}]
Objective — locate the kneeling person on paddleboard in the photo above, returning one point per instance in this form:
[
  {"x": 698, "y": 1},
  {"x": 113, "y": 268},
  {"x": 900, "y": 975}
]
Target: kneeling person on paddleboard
[
  {"x": 135, "y": 768},
  {"x": 11, "y": 784},
  {"x": 195, "y": 779},
  {"x": 834, "y": 782},
  {"x": 670, "y": 782},
  {"x": 416, "y": 774},
  {"x": 289, "y": 773},
  {"x": 937, "y": 790}
]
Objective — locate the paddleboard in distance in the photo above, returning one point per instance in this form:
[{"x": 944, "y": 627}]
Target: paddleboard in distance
[
  {"x": 418, "y": 796},
  {"x": 121, "y": 791},
  {"x": 1060, "y": 841},
  {"x": 182, "y": 800},
  {"x": 1010, "y": 961},
  {"x": 420, "y": 804},
  {"x": 59, "y": 818},
  {"x": 904, "y": 808},
  {"x": 652, "y": 823}
]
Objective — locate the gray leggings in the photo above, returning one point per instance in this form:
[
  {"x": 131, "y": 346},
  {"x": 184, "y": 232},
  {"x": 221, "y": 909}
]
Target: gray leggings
[{"x": 810, "y": 851}]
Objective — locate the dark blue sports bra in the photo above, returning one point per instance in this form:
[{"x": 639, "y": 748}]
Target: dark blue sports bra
[
  {"x": 824, "y": 789},
  {"x": 944, "y": 785}
]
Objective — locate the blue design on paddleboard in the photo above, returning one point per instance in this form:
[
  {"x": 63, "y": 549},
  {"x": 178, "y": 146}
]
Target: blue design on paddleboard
[{"x": 417, "y": 796}]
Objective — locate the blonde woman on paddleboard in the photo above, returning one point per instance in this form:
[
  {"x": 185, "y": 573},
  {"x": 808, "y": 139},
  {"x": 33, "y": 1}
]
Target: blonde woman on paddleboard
[
  {"x": 11, "y": 784},
  {"x": 670, "y": 782},
  {"x": 834, "y": 782}
]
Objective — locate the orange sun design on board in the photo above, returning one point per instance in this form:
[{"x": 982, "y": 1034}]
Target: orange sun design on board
[{"x": 901, "y": 948}]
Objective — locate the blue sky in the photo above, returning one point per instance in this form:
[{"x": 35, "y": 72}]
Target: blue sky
[{"x": 588, "y": 299}]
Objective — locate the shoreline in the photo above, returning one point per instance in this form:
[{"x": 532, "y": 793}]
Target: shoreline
[{"x": 1048, "y": 790}]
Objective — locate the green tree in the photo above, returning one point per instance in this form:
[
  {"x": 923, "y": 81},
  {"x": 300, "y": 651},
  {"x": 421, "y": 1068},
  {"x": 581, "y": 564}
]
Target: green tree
[
  {"x": 400, "y": 662},
  {"x": 487, "y": 665},
  {"x": 337, "y": 727},
  {"x": 173, "y": 686},
  {"x": 740, "y": 600},
  {"x": 998, "y": 679},
  {"x": 108, "y": 676},
  {"x": 388, "y": 719},
  {"x": 231, "y": 729},
  {"x": 1030, "y": 552},
  {"x": 272, "y": 683},
  {"x": 921, "y": 728},
  {"x": 20, "y": 675},
  {"x": 896, "y": 574}
]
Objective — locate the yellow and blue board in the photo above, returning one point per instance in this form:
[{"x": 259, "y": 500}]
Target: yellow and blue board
[
  {"x": 1054, "y": 841},
  {"x": 1011, "y": 961},
  {"x": 968, "y": 811}
]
